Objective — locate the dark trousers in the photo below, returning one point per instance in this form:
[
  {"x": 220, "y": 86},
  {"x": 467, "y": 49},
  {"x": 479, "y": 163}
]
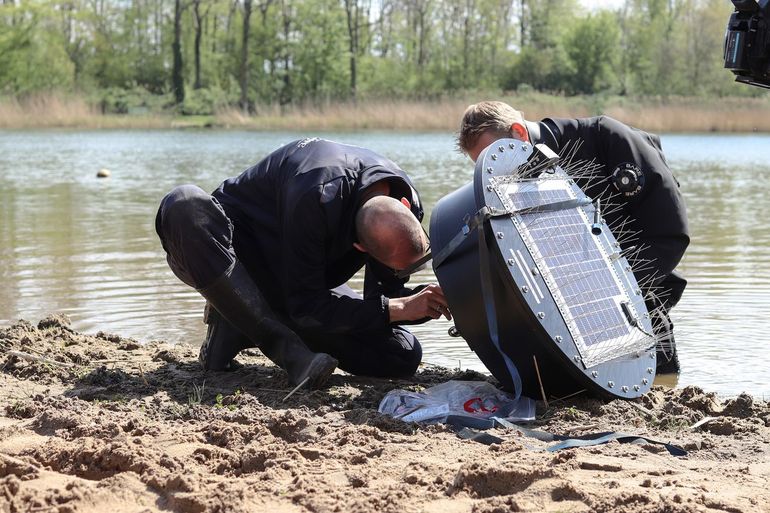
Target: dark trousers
[{"x": 197, "y": 236}]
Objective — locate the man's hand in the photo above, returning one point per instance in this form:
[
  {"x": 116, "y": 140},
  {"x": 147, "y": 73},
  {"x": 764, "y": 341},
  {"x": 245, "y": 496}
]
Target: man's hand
[{"x": 429, "y": 302}]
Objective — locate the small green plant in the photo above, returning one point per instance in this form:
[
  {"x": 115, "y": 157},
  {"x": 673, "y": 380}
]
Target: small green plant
[
  {"x": 218, "y": 401},
  {"x": 572, "y": 413},
  {"x": 196, "y": 397}
]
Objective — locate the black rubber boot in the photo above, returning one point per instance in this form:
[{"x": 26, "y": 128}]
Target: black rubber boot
[
  {"x": 222, "y": 343},
  {"x": 667, "y": 357},
  {"x": 237, "y": 299}
]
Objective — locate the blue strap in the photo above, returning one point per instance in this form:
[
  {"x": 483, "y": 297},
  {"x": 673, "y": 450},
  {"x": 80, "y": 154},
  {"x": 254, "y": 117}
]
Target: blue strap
[
  {"x": 491, "y": 311},
  {"x": 603, "y": 438},
  {"x": 565, "y": 442}
]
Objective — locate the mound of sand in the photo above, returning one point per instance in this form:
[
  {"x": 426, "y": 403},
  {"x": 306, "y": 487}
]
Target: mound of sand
[{"x": 104, "y": 423}]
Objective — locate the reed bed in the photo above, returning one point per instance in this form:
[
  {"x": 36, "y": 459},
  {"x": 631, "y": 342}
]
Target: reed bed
[
  {"x": 697, "y": 115},
  {"x": 654, "y": 114},
  {"x": 60, "y": 111}
]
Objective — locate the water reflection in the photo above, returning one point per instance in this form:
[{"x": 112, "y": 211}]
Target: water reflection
[{"x": 72, "y": 243}]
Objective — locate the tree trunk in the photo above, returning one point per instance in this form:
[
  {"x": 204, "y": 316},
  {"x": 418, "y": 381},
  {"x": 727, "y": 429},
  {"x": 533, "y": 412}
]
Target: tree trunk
[
  {"x": 229, "y": 37},
  {"x": 422, "y": 12},
  {"x": 466, "y": 43},
  {"x": 177, "y": 78},
  {"x": 199, "y": 18},
  {"x": 286, "y": 92},
  {"x": 351, "y": 9},
  {"x": 244, "y": 71},
  {"x": 158, "y": 29},
  {"x": 215, "y": 24}
]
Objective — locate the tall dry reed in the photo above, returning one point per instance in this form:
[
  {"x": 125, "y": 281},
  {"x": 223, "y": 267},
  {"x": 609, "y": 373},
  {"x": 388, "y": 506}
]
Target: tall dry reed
[
  {"x": 697, "y": 115},
  {"x": 671, "y": 115},
  {"x": 362, "y": 115},
  {"x": 652, "y": 114},
  {"x": 52, "y": 110}
]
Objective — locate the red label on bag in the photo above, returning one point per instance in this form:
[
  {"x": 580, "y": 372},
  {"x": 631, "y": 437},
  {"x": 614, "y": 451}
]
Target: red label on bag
[{"x": 476, "y": 405}]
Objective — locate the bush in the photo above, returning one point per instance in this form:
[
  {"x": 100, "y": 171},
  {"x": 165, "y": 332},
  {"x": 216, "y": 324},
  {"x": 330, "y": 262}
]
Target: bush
[
  {"x": 203, "y": 102},
  {"x": 132, "y": 101}
]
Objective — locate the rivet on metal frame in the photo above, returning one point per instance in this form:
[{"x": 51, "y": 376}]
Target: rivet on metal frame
[
  {"x": 638, "y": 292},
  {"x": 493, "y": 156},
  {"x": 500, "y": 235},
  {"x": 558, "y": 339},
  {"x": 624, "y": 388},
  {"x": 594, "y": 374},
  {"x": 490, "y": 170},
  {"x": 541, "y": 315},
  {"x": 501, "y": 148},
  {"x": 525, "y": 289},
  {"x": 645, "y": 381},
  {"x": 524, "y": 147},
  {"x": 511, "y": 145},
  {"x": 650, "y": 370},
  {"x": 534, "y": 271},
  {"x": 489, "y": 188},
  {"x": 610, "y": 384},
  {"x": 651, "y": 355},
  {"x": 576, "y": 358},
  {"x": 636, "y": 388},
  {"x": 511, "y": 261}
]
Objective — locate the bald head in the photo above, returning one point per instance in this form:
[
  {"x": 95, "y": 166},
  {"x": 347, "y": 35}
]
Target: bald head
[{"x": 389, "y": 232}]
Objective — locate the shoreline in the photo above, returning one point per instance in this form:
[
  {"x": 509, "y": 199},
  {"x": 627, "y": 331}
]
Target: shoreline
[
  {"x": 104, "y": 421},
  {"x": 659, "y": 115}
]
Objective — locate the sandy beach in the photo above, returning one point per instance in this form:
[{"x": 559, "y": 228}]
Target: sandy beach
[{"x": 93, "y": 423}]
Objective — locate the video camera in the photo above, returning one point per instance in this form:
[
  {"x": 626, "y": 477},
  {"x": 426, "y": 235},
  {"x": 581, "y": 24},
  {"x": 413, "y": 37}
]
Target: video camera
[{"x": 747, "y": 42}]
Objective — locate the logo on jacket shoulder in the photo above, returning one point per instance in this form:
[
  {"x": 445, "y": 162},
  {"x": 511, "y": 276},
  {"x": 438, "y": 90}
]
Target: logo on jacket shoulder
[
  {"x": 628, "y": 179},
  {"x": 306, "y": 141}
]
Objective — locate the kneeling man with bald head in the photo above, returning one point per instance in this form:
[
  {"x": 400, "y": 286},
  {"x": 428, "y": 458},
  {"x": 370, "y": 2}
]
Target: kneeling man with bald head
[{"x": 272, "y": 249}]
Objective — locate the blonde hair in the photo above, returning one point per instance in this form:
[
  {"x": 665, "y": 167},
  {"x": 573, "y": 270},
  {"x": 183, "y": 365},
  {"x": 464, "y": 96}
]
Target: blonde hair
[{"x": 487, "y": 116}]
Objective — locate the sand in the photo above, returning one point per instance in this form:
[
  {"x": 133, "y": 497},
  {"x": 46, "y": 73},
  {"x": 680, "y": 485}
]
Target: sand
[{"x": 107, "y": 423}]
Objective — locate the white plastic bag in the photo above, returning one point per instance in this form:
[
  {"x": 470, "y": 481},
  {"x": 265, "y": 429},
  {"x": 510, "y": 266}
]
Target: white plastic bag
[{"x": 463, "y": 399}]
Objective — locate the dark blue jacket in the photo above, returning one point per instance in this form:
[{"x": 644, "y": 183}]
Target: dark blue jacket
[{"x": 293, "y": 217}]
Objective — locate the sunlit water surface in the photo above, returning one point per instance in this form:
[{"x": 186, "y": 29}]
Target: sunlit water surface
[{"x": 72, "y": 243}]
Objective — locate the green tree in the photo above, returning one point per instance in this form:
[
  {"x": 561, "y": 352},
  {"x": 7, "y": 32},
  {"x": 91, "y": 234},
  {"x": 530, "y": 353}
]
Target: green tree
[
  {"x": 32, "y": 54},
  {"x": 592, "y": 47}
]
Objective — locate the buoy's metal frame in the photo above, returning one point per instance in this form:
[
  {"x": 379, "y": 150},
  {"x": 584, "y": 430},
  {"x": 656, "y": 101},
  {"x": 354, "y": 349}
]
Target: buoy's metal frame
[{"x": 531, "y": 317}]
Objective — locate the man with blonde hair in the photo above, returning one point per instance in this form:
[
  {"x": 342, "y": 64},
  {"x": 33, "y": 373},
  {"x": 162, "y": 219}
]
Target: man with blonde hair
[{"x": 633, "y": 169}]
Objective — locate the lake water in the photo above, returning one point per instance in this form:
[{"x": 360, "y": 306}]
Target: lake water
[{"x": 72, "y": 243}]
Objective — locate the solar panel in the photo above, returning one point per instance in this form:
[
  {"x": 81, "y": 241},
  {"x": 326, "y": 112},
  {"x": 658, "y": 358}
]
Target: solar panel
[{"x": 574, "y": 265}]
